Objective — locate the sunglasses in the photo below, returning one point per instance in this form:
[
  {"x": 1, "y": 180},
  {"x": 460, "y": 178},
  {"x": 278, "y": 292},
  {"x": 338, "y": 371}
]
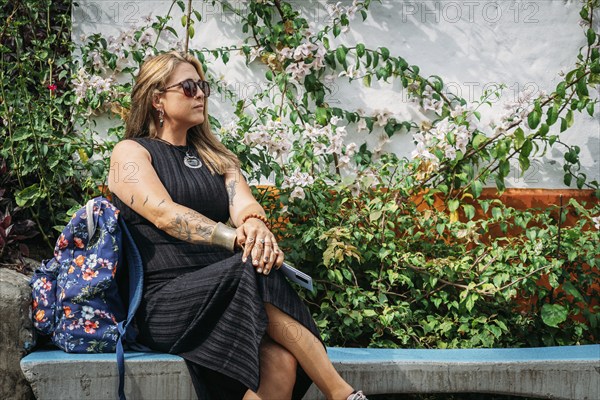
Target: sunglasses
[{"x": 190, "y": 87}]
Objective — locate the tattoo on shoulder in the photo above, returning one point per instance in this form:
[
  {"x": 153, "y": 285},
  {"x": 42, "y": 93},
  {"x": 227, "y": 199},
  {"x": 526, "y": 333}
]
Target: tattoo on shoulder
[
  {"x": 131, "y": 202},
  {"x": 231, "y": 191},
  {"x": 161, "y": 203},
  {"x": 192, "y": 227},
  {"x": 146, "y": 200}
]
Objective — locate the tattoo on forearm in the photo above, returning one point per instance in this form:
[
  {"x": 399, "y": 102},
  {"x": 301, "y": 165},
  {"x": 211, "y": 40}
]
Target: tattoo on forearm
[
  {"x": 231, "y": 191},
  {"x": 146, "y": 200},
  {"x": 131, "y": 202},
  {"x": 161, "y": 203},
  {"x": 192, "y": 227}
]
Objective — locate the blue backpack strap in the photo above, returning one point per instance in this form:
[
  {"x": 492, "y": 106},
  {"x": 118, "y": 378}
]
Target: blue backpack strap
[{"x": 136, "y": 284}]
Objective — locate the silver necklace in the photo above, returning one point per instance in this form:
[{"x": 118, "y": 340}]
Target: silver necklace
[{"x": 189, "y": 160}]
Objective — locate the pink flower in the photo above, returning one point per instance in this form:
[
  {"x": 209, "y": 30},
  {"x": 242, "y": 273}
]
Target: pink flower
[{"x": 52, "y": 87}]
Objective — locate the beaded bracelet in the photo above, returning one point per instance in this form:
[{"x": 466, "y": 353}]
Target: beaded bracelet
[{"x": 257, "y": 216}]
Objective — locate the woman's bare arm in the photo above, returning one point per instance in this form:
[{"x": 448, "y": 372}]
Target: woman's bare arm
[
  {"x": 133, "y": 179},
  {"x": 241, "y": 200}
]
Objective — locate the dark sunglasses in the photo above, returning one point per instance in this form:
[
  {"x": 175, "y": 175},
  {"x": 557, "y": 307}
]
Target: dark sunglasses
[{"x": 190, "y": 87}]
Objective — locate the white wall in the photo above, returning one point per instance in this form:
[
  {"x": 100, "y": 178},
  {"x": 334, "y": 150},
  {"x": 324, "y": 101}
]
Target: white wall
[{"x": 470, "y": 44}]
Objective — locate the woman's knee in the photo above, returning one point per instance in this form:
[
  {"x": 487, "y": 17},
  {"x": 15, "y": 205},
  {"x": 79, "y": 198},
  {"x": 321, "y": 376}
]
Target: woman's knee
[{"x": 278, "y": 360}]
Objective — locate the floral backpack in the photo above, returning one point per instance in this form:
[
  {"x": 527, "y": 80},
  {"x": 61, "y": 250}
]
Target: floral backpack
[{"x": 76, "y": 296}]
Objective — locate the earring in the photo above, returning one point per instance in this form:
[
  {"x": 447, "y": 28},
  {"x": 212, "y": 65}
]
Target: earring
[{"x": 161, "y": 116}]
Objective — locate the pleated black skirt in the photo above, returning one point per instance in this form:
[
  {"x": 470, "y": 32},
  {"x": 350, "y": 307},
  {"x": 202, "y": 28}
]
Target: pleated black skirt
[{"x": 215, "y": 318}]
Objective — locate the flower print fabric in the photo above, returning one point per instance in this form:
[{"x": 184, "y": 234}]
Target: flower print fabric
[{"x": 75, "y": 294}]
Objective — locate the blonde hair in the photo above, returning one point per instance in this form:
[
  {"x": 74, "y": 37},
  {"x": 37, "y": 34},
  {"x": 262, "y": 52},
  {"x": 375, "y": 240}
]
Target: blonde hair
[{"x": 140, "y": 122}]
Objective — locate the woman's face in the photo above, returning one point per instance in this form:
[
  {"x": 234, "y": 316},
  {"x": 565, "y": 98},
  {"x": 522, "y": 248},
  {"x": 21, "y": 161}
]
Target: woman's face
[{"x": 182, "y": 112}]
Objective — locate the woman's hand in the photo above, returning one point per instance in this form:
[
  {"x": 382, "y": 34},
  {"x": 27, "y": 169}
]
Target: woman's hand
[{"x": 259, "y": 243}]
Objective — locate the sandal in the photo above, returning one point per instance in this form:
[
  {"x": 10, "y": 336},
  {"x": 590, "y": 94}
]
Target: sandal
[{"x": 357, "y": 395}]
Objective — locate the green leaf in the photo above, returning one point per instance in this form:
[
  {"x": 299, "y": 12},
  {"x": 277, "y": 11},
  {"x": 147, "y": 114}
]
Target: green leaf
[
  {"x": 571, "y": 156},
  {"x": 552, "y": 115},
  {"x": 375, "y": 215},
  {"x": 569, "y": 118},
  {"x": 561, "y": 89},
  {"x": 440, "y": 228},
  {"x": 321, "y": 116},
  {"x": 28, "y": 196},
  {"x": 582, "y": 90},
  {"x": 453, "y": 205},
  {"x": 563, "y": 125},
  {"x": 337, "y": 30},
  {"x": 591, "y": 36},
  {"x": 567, "y": 179},
  {"x": 478, "y": 140},
  {"x": 340, "y": 54},
  {"x": 469, "y": 211},
  {"x": 570, "y": 289},
  {"x": 519, "y": 137},
  {"x": 385, "y": 53},
  {"x": 590, "y": 109},
  {"x": 554, "y": 314},
  {"x": 360, "y": 49},
  {"x": 533, "y": 119},
  {"x": 367, "y": 80},
  {"x": 369, "y": 313},
  {"x": 476, "y": 188}
]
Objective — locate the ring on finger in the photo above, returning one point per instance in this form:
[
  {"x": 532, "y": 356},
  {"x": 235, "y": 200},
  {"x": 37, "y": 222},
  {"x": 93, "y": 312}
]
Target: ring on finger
[{"x": 250, "y": 240}]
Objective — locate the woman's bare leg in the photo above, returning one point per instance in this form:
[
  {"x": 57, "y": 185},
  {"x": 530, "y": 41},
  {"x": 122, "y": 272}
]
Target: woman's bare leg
[
  {"x": 277, "y": 372},
  {"x": 309, "y": 352}
]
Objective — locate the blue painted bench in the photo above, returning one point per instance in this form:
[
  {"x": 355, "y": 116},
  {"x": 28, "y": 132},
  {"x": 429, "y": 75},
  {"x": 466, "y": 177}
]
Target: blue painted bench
[{"x": 569, "y": 372}]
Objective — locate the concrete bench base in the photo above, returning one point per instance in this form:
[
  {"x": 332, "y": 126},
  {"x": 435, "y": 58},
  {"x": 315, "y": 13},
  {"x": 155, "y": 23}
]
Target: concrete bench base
[{"x": 570, "y": 372}]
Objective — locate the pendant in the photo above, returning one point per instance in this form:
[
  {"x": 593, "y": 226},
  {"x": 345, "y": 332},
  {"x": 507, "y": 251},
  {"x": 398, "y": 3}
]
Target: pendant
[{"x": 191, "y": 161}]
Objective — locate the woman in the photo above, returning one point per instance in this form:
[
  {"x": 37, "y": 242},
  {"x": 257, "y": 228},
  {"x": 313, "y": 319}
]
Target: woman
[{"x": 241, "y": 328}]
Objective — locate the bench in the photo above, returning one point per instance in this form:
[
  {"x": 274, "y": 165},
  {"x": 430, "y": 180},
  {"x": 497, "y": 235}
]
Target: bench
[{"x": 568, "y": 372}]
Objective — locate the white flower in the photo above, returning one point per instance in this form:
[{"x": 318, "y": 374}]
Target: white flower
[
  {"x": 450, "y": 152},
  {"x": 285, "y": 53},
  {"x": 297, "y": 193},
  {"x": 335, "y": 11},
  {"x": 351, "y": 72},
  {"x": 148, "y": 53},
  {"x": 297, "y": 178},
  {"x": 298, "y": 70},
  {"x": 254, "y": 52},
  {"x": 382, "y": 117},
  {"x": 343, "y": 161},
  {"x": 596, "y": 221},
  {"x": 351, "y": 149},
  {"x": 87, "y": 312},
  {"x": 433, "y": 104},
  {"x": 351, "y": 12},
  {"x": 145, "y": 38},
  {"x": 457, "y": 111},
  {"x": 303, "y": 51},
  {"x": 362, "y": 125}
]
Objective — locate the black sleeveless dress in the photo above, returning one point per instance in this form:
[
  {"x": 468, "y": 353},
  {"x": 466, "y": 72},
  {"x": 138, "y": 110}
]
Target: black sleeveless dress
[{"x": 202, "y": 302}]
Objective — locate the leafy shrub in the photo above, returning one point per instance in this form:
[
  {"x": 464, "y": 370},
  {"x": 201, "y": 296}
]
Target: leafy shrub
[{"x": 405, "y": 252}]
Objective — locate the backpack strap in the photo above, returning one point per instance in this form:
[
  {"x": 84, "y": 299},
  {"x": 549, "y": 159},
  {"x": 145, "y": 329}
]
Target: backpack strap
[
  {"x": 136, "y": 284},
  {"x": 91, "y": 223}
]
